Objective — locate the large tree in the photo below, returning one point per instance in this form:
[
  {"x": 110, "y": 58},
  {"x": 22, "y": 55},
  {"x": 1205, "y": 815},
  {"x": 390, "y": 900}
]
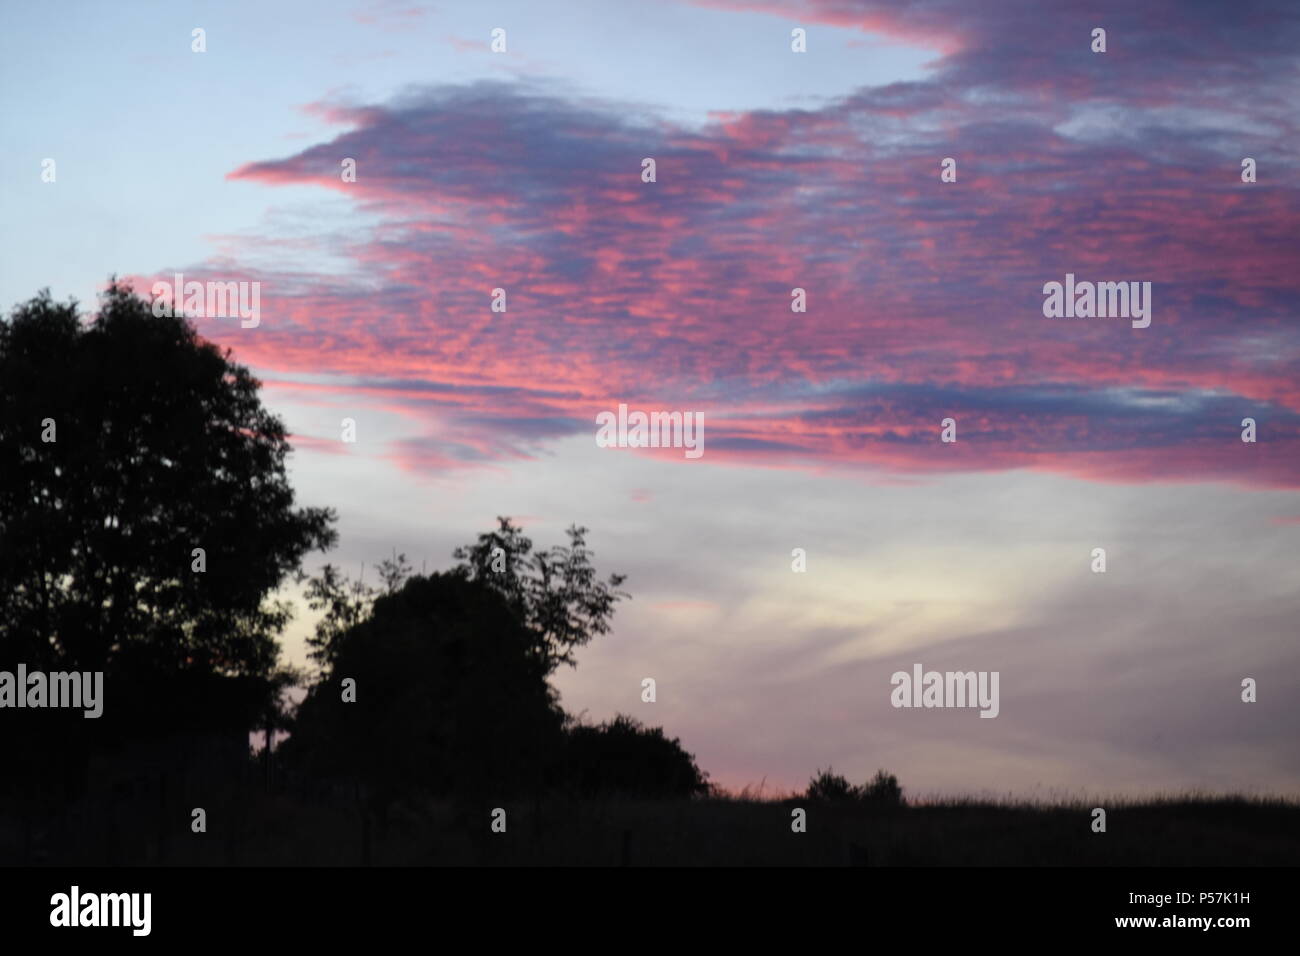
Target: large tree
[{"x": 128, "y": 443}]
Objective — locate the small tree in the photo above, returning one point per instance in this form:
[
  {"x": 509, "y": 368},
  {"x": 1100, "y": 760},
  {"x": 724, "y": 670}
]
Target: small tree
[{"x": 556, "y": 592}]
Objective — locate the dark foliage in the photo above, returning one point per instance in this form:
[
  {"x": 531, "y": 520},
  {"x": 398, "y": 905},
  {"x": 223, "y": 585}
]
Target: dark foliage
[
  {"x": 883, "y": 790},
  {"x": 829, "y": 787},
  {"x": 127, "y": 442},
  {"x": 452, "y": 671},
  {"x": 448, "y": 697},
  {"x": 556, "y": 593},
  {"x": 624, "y": 757},
  {"x": 161, "y": 446}
]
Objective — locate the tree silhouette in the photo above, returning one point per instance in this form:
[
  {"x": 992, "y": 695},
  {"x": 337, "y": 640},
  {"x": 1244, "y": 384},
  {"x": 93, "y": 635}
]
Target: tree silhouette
[
  {"x": 448, "y": 697},
  {"x": 346, "y": 603},
  {"x": 126, "y": 444},
  {"x": 556, "y": 592},
  {"x": 451, "y": 674}
]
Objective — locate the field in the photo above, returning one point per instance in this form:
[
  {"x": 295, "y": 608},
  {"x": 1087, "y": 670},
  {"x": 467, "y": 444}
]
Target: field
[{"x": 277, "y": 830}]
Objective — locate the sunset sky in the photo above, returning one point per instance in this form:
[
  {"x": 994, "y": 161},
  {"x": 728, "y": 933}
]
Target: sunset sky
[{"x": 775, "y": 170}]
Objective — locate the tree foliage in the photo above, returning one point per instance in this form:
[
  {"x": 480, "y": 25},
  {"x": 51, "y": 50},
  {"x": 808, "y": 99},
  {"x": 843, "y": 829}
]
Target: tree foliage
[
  {"x": 346, "y": 602},
  {"x": 555, "y": 592},
  {"x": 452, "y": 671},
  {"x": 127, "y": 442},
  {"x": 448, "y": 697},
  {"x": 625, "y": 757}
]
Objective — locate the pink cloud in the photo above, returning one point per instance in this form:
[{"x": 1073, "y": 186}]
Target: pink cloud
[{"x": 924, "y": 298}]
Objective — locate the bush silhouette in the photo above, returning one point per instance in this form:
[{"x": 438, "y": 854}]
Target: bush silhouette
[
  {"x": 883, "y": 790},
  {"x": 829, "y": 787},
  {"x": 624, "y": 757}
]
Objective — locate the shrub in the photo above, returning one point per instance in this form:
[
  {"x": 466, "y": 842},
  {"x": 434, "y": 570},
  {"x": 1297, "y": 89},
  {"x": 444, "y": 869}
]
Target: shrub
[
  {"x": 883, "y": 789},
  {"x": 830, "y": 787},
  {"x": 625, "y": 757}
]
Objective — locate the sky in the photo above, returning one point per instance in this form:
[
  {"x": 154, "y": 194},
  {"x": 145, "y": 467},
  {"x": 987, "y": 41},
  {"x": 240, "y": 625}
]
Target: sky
[{"x": 775, "y": 170}]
